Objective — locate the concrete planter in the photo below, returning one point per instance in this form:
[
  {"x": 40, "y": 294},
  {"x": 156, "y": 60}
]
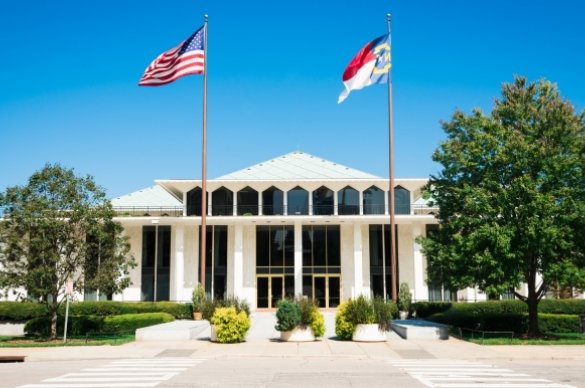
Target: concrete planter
[
  {"x": 368, "y": 333},
  {"x": 298, "y": 334},
  {"x": 213, "y": 335},
  {"x": 197, "y": 316}
]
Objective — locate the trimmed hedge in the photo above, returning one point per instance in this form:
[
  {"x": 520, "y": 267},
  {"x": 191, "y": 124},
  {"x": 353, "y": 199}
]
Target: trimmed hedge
[
  {"x": 21, "y": 311},
  {"x": 82, "y": 325}
]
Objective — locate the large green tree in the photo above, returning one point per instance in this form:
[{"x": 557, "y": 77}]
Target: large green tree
[
  {"x": 59, "y": 227},
  {"x": 511, "y": 195}
]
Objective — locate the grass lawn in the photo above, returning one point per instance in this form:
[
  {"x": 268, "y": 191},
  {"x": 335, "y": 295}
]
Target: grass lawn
[
  {"x": 35, "y": 342},
  {"x": 551, "y": 339}
]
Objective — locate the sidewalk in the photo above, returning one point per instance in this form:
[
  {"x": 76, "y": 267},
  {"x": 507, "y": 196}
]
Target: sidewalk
[{"x": 262, "y": 341}]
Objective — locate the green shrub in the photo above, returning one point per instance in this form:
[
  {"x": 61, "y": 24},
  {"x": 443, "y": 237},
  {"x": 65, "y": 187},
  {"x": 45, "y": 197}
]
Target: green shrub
[
  {"x": 198, "y": 298},
  {"x": 128, "y": 323},
  {"x": 360, "y": 311},
  {"x": 210, "y": 305},
  {"x": 404, "y": 298},
  {"x": 384, "y": 312},
  {"x": 106, "y": 308},
  {"x": 425, "y": 309},
  {"x": 562, "y": 306},
  {"x": 288, "y": 315},
  {"x": 77, "y": 326},
  {"x": 21, "y": 311},
  {"x": 317, "y": 323},
  {"x": 230, "y": 326},
  {"x": 559, "y": 323},
  {"x": 343, "y": 328}
]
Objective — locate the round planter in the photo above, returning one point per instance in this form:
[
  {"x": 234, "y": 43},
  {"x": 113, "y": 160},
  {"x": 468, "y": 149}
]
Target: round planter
[
  {"x": 213, "y": 335},
  {"x": 368, "y": 333},
  {"x": 298, "y": 334},
  {"x": 197, "y": 316}
]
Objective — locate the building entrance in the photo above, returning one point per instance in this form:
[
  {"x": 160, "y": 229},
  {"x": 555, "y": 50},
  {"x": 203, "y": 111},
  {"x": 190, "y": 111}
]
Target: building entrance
[
  {"x": 270, "y": 289},
  {"x": 327, "y": 290}
]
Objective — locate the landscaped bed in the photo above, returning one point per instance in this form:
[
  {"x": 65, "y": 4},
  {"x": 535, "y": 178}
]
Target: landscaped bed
[{"x": 37, "y": 342}]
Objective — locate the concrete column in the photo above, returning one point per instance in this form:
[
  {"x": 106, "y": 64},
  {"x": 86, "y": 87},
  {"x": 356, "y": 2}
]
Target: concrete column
[
  {"x": 335, "y": 204},
  {"x": 238, "y": 261},
  {"x": 209, "y": 203},
  {"x": 421, "y": 290},
  {"x": 260, "y": 203},
  {"x": 285, "y": 202},
  {"x": 235, "y": 207},
  {"x": 179, "y": 264},
  {"x": 184, "y": 204},
  {"x": 358, "y": 261},
  {"x": 298, "y": 258},
  {"x": 361, "y": 203},
  {"x": 311, "y": 212}
]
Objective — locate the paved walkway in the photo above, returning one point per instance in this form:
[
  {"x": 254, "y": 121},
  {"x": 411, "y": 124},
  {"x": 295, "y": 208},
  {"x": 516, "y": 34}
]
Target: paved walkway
[{"x": 262, "y": 341}]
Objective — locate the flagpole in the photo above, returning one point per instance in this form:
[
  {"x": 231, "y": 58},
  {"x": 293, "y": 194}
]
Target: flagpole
[
  {"x": 203, "y": 239},
  {"x": 393, "y": 264}
]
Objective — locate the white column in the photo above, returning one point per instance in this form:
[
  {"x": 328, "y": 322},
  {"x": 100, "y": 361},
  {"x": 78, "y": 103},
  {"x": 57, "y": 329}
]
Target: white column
[
  {"x": 238, "y": 261},
  {"x": 361, "y": 203},
  {"x": 184, "y": 203},
  {"x": 285, "y": 202},
  {"x": 209, "y": 204},
  {"x": 235, "y": 207},
  {"x": 260, "y": 202},
  {"x": 298, "y": 258},
  {"x": 335, "y": 203},
  {"x": 421, "y": 290},
  {"x": 358, "y": 261},
  {"x": 179, "y": 264},
  {"x": 311, "y": 212}
]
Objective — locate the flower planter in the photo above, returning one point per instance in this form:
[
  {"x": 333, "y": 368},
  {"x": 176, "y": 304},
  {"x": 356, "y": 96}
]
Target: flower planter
[
  {"x": 368, "y": 333},
  {"x": 197, "y": 316},
  {"x": 213, "y": 335},
  {"x": 298, "y": 334}
]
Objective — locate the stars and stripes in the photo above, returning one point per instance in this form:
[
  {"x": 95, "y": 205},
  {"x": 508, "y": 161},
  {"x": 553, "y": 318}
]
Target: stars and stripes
[{"x": 187, "y": 58}]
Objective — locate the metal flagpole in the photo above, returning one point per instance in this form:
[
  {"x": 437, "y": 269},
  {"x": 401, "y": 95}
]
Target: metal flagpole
[
  {"x": 393, "y": 264},
  {"x": 203, "y": 239}
]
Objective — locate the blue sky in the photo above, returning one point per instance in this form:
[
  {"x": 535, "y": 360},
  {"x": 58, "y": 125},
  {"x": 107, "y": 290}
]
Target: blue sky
[{"x": 69, "y": 74}]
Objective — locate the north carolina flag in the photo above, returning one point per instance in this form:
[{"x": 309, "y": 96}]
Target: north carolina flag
[{"x": 371, "y": 65}]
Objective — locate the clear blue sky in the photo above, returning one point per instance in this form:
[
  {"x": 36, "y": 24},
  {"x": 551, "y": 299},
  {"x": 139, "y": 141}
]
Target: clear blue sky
[{"x": 69, "y": 74}]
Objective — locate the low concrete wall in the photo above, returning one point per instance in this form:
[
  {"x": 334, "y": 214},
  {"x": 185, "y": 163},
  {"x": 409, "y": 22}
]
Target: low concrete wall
[
  {"x": 420, "y": 329},
  {"x": 11, "y": 329},
  {"x": 173, "y": 331}
]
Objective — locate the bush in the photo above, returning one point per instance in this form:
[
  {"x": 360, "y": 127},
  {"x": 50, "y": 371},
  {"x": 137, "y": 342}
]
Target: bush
[
  {"x": 288, "y": 315},
  {"x": 558, "y": 323},
  {"x": 425, "y": 309},
  {"x": 384, "y": 312},
  {"x": 562, "y": 306},
  {"x": 343, "y": 328},
  {"x": 128, "y": 323},
  {"x": 230, "y": 326},
  {"x": 360, "y": 311},
  {"x": 198, "y": 298},
  {"x": 404, "y": 298},
  {"x": 317, "y": 323},
  {"x": 210, "y": 305},
  {"x": 105, "y": 308},
  {"x": 21, "y": 311}
]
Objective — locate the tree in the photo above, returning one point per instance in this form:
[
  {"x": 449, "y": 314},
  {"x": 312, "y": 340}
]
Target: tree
[
  {"x": 511, "y": 195},
  {"x": 58, "y": 228}
]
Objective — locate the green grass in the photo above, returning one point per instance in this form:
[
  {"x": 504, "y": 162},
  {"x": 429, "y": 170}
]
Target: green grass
[
  {"x": 552, "y": 339},
  {"x": 34, "y": 342}
]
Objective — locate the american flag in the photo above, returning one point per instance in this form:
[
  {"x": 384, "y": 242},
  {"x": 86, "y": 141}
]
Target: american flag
[{"x": 186, "y": 58}]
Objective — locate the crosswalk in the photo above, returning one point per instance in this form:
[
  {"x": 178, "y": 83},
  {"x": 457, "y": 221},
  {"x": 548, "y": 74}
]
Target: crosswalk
[
  {"x": 465, "y": 374},
  {"x": 134, "y": 372}
]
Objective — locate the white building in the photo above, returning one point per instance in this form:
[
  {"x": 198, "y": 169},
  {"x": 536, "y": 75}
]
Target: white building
[{"x": 296, "y": 224}]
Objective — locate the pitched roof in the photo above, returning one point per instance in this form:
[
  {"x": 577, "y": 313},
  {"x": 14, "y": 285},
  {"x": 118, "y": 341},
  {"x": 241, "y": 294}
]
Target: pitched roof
[
  {"x": 154, "y": 196},
  {"x": 297, "y": 165}
]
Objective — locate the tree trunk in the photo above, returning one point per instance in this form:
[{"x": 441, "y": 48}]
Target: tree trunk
[
  {"x": 532, "y": 301},
  {"x": 54, "y": 311}
]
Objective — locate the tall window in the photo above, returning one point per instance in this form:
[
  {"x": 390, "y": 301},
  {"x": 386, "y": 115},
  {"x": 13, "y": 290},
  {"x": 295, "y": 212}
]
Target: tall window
[
  {"x": 247, "y": 201},
  {"x": 272, "y": 202},
  {"x": 373, "y": 201},
  {"x": 194, "y": 202},
  {"x": 323, "y": 201},
  {"x": 298, "y": 201},
  {"x": 348, "y": 201},
  {"x": 380, "y": 260},
  {"x": 216, "y": 260},
  {"x": 156, "y": 262},
  {"x": 222, "y": 202},
  {"x": 401, "y": 200}
]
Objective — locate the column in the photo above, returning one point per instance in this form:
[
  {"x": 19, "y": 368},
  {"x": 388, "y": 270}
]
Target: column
[
  {"x": 335, "y": 203},
  {"x": 238, "y": 261},
  {"x": 298, "y": 258},
  {"x": 179, "y": 264},
  {"x": 421, "y": 290},
  {"x": 358, "y": 279}
]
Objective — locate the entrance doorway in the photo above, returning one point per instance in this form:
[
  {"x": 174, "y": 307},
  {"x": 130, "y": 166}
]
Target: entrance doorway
[
  {"x": 270, "y": 289},
  {"x": 327, "y": 290}
]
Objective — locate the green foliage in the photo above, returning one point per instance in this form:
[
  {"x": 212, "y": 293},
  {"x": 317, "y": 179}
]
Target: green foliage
[
  {"x": 21, "y": 311},
  {"x": 424, "y": 309},
  {"x": 230, "y": 326},
  {"x": 511, "y": 195},
  {"x": 343, "y": 327},
  {"x": 562, "y": 306},
  {"x": 128, "y": 323},
  {"x": 559, "y": 323},
  {"x": 288, "y": 315},
  {"x": 404, "y": 298},
  {"x": 60, "y": 227},
  {"x": 82, "y": 325},
  {"x": 384, "y": 311},
  {"x": 210, "y": 305},
  {"x": 105, "y": 308},
  {"x": 317, "y": 323},
  {"x": 360, "y": 311},
  {"x": 198, "y": 298}
]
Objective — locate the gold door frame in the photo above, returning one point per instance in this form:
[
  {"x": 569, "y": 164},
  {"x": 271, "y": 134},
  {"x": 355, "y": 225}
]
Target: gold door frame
[
  {"x": 269, "y": 277},
  {"x": 326, "y": 276}
]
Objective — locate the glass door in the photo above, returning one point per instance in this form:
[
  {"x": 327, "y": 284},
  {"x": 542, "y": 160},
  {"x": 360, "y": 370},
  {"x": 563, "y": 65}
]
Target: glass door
[
  {"x": 269, "y": 290},
  {"x": 327, "y": 290}
]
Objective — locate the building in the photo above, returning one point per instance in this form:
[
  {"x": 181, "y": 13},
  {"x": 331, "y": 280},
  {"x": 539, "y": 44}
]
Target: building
[{"x": 296, "y": 224}]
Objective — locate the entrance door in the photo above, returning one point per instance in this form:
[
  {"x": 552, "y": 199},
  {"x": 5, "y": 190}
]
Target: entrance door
[
  {"x": 270, "y": 289},
  {"x": 327, "y": 290}
]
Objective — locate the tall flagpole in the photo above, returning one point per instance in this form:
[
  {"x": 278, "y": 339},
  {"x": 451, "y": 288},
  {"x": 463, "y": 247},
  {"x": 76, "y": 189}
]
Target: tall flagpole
[
  {"x": 203, "y": 239},
  {"x": 393, "y": 263}
]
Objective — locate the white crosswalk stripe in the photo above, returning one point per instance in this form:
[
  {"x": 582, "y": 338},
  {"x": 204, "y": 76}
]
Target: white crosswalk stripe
[
  {"x": 462, "y": 374},
  {"x": 135, "y": 372}
]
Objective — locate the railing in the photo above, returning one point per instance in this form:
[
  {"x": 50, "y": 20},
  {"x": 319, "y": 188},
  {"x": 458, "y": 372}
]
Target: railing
[{"x": 146, "y": 211}]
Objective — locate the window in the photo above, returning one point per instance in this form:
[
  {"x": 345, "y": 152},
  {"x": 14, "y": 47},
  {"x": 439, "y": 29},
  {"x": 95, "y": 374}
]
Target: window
[
  {"x": 247, "y": 201},
  {"x": 322, "y": 201},
  {"x": 156, "y": 262},
  {"x": 272, "y": 202},
  {"x": 401, "y": 200},
  {"x": 373, "y": 201},
  {"x": 194, "y": 202},
  {"x": 222, "y": 202},
  {"x": 348, "y": 201},
  {"x": 216, "y": 260},
  {"x": 380, "y": 260},
  {"x": 298, "y": 201}
]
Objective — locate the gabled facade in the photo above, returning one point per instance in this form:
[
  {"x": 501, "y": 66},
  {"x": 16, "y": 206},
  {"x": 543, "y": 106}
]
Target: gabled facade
[{"x": 296, "y": 224}]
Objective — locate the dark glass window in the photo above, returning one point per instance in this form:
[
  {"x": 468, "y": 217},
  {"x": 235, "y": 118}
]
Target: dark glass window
[
  {"x": 322, "y": 201},
  {"x": 275, "y": 247},
  {"x": 348, "y": 201},
  {"x": 298, "y": 201},
  {"x": 247, "y": 201},
  {"x": 262, "y": 246},
  {"x": 401, "y": 200},
  {"x": 380, "y": 260},
  {"x": 156, "y": 256},
  {"x": 321, "y": 248},
  {"x": 222, "y": 202},
  {"x": 216, "y": 260},
  {"x": 272, "y": 202},
  {"x": 373, "y": 201},
  {"x": 194, "y": 202}
]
